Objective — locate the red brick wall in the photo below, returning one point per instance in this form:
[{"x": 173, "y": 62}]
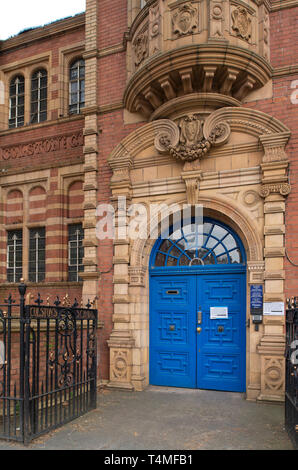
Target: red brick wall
[
  {"x": 112, "y": 79},
  {"x": 49, "y": 145},
  {"x": 284, "y": 52}
]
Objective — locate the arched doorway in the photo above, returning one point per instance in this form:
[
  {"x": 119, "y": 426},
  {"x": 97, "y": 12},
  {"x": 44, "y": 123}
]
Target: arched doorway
[{"x": 198, "y": 308}]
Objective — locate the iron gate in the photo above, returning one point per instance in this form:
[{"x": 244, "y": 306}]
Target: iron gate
[
  {"x": 291, "y": 399},
  {"x": 48, "y": 365}
]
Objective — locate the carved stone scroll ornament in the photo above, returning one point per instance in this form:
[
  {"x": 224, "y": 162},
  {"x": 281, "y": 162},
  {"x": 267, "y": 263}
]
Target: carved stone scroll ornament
[
  {"x": 187, "y": 141},
  {"x": 277, "y": 188},
  {"x": 242, "y": 24},
  {"x": 185, "y": 20}
]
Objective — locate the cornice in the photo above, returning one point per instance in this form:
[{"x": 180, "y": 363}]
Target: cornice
[
  {"x": 139, "y": 91},
  {"x": 284, "y": 71},
  {"x": 276, "y": 5},
  {"x": 44, "y": 32}
]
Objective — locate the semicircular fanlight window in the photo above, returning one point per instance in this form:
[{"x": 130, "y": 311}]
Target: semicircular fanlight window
[{"x": 201, "y": 245}]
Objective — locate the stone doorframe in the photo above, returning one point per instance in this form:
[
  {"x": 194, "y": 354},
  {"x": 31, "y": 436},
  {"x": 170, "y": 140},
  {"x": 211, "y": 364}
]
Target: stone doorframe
[{"x": 129, "y": 340}]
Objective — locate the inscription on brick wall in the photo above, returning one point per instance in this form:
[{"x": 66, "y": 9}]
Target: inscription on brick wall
[{"x": 41, "y": 147}]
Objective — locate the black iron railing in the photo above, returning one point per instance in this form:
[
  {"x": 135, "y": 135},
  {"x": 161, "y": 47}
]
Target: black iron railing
[
  {"x": 48, "y": 365},
  {"x": 291, "y": 398}
]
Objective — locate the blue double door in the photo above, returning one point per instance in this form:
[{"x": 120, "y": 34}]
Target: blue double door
[{"x": 198, "y": 331}]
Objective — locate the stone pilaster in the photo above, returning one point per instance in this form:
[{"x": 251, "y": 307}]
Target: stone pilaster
[
  {"x": 121, "y": 341},
  {"x": 91, "y": 135},
  {"x": 274, "y": 190}
]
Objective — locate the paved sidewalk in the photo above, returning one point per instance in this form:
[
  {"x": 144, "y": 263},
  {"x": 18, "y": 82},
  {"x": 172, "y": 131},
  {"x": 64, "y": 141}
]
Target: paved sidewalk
[{"x": 170, "y": 419}]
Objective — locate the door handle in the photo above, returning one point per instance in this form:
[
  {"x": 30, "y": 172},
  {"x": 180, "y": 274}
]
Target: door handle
[
  {"x": 199, "y": 329},
  {"x": 200, "y": 316}
]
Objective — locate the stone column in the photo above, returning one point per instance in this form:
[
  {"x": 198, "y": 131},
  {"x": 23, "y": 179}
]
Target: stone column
[
  {"x": 121, "y": 341},
  {"x": 255, "y": 270},
  {"x": 274, "y": 190},
  {"x": 91, "y": 135}
]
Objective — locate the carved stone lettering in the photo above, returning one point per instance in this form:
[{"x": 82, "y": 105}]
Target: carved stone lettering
[{"x": 50, "y": 145}]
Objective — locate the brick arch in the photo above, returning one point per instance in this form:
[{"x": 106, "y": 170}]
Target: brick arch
[
  {"x": 14, "y": 207},
  {"x": 220, "y": 210}
]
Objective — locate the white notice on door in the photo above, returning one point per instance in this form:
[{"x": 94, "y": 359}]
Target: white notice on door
[{"x": 218, "y": 312}]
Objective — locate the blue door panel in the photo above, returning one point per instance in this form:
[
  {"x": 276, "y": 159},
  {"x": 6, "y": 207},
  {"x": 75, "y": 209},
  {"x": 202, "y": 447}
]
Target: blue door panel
[
  {"x": 221, "y": 343},
  {"x": 182, "y": 357},
  {"x": 172, "y": 332}
]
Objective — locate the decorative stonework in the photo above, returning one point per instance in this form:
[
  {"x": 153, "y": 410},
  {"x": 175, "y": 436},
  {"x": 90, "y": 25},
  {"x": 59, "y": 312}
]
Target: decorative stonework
[
  {"x": 192, "y": 181},
  {"x": 140, "y": 47},
  {"x": 274, "y": 375},
  {"x": 216, "y": 20},
  {"x": 242, "y": 24},
  {"x": 137, "y": 276},
  {"x": 266, "y": 37},
  {"x": 154, "y": 19},
  {"x": 119, "y": 369},
  {"x": 278, "y": 188},
  {"x": 187, "y": 142},
  {"x": 185, "y": 21}
]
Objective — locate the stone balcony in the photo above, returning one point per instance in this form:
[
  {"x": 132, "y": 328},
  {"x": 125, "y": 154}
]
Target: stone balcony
[{"x": 213, "y": 51}]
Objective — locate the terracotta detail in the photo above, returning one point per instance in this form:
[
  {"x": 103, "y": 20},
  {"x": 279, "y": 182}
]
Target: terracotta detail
[
  {"x": 185, "y": 20},
  {"x": 140, "y": 46},
  {"x": 187, "y": 141},
  {"x": 282, "y": 188},
  {"x": 242, "y": 23}
]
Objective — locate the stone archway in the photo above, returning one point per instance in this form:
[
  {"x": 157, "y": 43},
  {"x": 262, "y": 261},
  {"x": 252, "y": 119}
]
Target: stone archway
[{"x": 251, "y": 199}]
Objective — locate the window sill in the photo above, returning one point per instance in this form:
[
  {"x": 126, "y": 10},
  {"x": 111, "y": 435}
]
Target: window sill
[
  {"x": 6, "y": 285},
  {"x": 28, "y": 127}
]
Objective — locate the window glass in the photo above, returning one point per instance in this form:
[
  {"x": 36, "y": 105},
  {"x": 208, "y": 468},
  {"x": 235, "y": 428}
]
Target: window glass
[
  {"x": 39, "y": 96},
  {"x": 207, "y": 245},
  {"x": 14, "y": 255},
  {"x": 77, "y": 87},
  {"x": 75, "y": 251},
  {"x": 37, "y": 259},
  {"x": 16, "y": 102}
]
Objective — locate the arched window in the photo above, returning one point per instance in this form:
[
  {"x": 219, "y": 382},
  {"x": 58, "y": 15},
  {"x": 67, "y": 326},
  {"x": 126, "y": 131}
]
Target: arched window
[
  {"x": 211, "y": 243},
  {"x": 77, "y": 86},
  {"x": 39, "y": 96},
  {"x": 17, "y": 102}
]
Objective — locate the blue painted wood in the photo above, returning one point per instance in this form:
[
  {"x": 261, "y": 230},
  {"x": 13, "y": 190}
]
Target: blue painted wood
[
  {"x": 172, "y": 331},
  {"x": 221, "y": 345},
  {"x": 179, "y": 355},
  {"x": 182, "y": 357}
]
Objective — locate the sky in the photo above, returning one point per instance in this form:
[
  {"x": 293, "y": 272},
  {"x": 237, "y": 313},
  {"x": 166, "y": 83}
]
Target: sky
[{"x": 17, "y": 15}]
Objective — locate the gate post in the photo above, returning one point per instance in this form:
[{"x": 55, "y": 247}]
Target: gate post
[{"x": 24, "y": 390}]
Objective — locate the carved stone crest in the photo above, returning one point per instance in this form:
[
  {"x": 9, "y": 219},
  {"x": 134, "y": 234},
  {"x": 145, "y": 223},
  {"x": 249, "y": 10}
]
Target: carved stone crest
[
  {"x": 187, "y": 141},
  {"x": 242, "y": 24},
  {"x": 185, "y": 20},
  {"x": 140, "y": 46}
]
